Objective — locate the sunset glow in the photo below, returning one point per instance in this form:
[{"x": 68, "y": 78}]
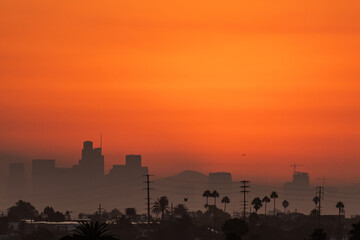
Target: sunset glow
[{"x": 187, "y": 84}]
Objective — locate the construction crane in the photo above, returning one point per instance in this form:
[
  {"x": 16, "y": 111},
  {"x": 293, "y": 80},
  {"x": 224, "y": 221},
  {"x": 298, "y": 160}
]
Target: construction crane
[{"x": 294, "y": 166}]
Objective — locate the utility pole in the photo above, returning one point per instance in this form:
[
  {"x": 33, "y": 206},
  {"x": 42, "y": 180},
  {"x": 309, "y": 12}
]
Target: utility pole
[
  {"x": 319, "y": 193},
  {"x": 148, "y": 196},
  {"x": 244, "y": 190},
  {"x": 99, "y": 211}
]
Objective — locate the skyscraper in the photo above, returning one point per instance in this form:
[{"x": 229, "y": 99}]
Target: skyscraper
[
  {"x": 91, "y": 164},
  {"x": 131, "y": 171}
]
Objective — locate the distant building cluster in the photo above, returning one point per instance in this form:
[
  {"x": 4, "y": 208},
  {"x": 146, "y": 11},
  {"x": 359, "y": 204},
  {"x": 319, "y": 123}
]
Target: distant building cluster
[
  {"x": 85, "y": 184},
  {"x": 47, "y": 178}
]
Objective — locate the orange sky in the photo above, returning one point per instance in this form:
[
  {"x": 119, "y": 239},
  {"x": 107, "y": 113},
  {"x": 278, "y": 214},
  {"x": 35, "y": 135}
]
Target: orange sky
[{"x": 188, "y": 84}]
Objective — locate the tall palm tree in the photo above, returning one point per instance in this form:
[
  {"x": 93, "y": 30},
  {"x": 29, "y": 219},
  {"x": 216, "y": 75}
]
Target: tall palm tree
[
  {"x": 181, "y": 210},
  {"x": 160, "y": 206},
  {"x": 215, "y": 195},
  {"x": 285, "y": 204},
  {"x": 340, "y": 205},
  {"x": 225, "y": 200},
  {"x": 256, "y": 202},
  {"x": 206, "y": 195},
  {"x": 130, "y": 212},
  {"x": 266, "y": 200},
  {"x": 93, "y": 231},
  {"x": 274, "y": 196}
]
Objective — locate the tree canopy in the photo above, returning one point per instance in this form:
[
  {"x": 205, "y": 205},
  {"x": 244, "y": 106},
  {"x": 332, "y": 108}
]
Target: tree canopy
[{"x": 22, "y": 210}]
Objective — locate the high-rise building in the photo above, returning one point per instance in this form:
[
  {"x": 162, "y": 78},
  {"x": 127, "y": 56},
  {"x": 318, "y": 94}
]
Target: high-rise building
[
  {"x": 130, "y": 171},
  {"x": 91, "y": 164}
]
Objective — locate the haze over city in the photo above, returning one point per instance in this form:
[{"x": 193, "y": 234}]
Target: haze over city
[
  {"x": 183, "y": 103},
  {"x": 185, "y": 82}
]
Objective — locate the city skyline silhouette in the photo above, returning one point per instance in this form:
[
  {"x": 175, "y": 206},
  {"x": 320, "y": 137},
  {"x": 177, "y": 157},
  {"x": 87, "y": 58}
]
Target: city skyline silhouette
[
  {"x": 182, "y": 120},
  {"x": 87, "y": 178}
]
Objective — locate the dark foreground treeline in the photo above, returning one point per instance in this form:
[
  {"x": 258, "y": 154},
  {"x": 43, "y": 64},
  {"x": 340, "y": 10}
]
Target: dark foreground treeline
[{"x": 176, "y": 223}]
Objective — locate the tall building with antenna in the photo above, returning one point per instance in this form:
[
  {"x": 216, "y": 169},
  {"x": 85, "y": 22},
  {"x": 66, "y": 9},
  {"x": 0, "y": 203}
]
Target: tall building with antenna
[
  {"x": 86, "y": 179},
  {"x": 92, "y": 161}
]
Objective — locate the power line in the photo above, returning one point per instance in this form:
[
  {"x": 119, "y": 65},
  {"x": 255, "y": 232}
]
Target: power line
[{"x": 99, "y": 211}]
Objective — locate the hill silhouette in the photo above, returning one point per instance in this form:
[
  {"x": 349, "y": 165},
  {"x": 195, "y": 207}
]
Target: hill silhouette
[{"x": 189, "y": 176}]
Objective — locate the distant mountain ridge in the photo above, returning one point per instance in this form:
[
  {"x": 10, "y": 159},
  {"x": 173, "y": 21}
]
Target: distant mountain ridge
[{"x": 189, "y": 175}]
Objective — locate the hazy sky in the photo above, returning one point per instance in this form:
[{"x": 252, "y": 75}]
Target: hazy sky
[{"x": 187, "y": 84}]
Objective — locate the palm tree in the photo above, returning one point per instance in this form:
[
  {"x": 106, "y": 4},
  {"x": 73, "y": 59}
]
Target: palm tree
[
  {"x": 225, "y": 200},
  {"x": 130, "y": 212},
  {"x": 161, "y": 206},
  {"x": 274, "y": 196},
  {"x": 340, "y": 205},
  {"x": 94, "y": 231},
  {"x": 215, "y": 195},
  {"x": 285, "y": 204},
  {"x": 181, "y": 210},
  {"x": 256, "y": 202},
  {"x": 206, "y": 195},
  {"x": 266, "y": 200}
]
